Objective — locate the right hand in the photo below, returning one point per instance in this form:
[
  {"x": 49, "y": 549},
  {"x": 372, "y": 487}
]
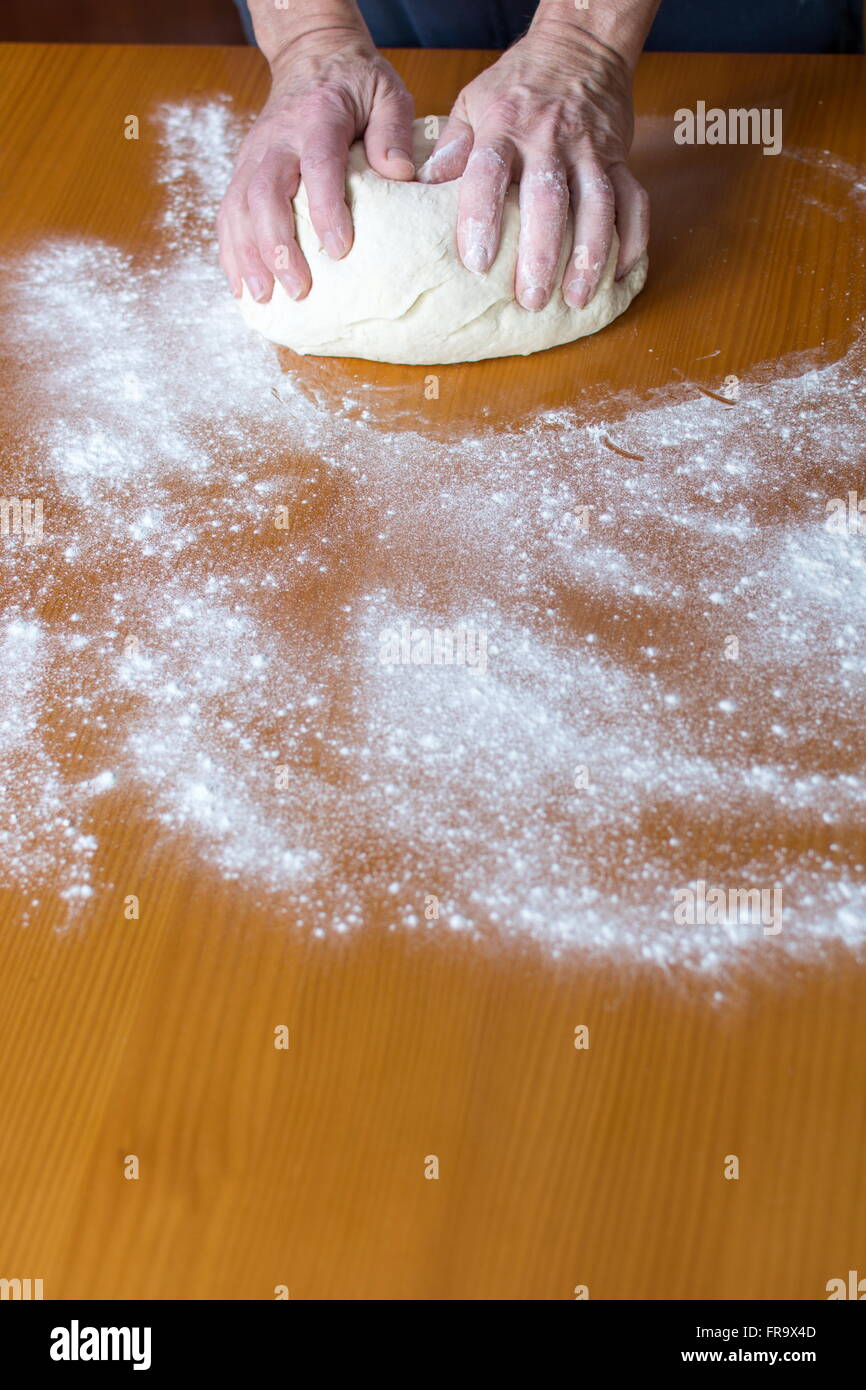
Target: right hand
[{"x": 322, "y": 99}]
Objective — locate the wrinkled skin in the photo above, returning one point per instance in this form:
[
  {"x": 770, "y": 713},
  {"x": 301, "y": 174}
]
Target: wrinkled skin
[
  {"x": 557, "y": 116},
  {"x": 320, "y": 103},
  {"x": 553, "y": 113}
]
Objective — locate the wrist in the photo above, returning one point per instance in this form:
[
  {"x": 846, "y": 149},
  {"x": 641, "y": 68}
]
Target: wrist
[
  {"x": 316, "y": 47},
  {"x": 308, "y": 28},
  {"x": 618, "y": 27}
]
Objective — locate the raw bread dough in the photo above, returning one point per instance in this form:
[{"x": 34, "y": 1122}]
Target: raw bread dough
[{"x": 402, "y": 295}]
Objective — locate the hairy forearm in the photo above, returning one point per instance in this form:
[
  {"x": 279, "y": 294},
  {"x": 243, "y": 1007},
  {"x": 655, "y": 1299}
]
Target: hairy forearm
[
  {"x": 619, "y": 25},
  {"x": 305, "y": 24}
]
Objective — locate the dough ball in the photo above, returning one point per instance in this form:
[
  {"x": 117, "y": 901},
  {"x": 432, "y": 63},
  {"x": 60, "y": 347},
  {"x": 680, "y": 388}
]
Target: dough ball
[{"x": 402, "y": 295}]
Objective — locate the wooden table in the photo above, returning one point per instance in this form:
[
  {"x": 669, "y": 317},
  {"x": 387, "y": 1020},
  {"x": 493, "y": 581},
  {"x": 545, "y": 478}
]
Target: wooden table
[{"x": 305, "y": 1168}]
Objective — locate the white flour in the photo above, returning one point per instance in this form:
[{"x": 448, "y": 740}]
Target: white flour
[{"x": 155, "y": 648}]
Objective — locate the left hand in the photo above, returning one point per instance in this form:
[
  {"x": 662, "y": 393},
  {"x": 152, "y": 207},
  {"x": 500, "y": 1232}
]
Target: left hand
[{"x": 554, "y": 113}]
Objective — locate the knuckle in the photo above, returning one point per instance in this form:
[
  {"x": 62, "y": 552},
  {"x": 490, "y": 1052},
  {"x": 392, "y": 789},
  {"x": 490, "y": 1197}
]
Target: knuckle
[
  {"x": 505, "y": 113},
  {"x": 599, "y": 188},
  {"x": 233, "y": 202},
  {"x": 319, "y": 162},
  {"x": 281, "y": 130},
  {"x": 589, "y": 256},
  {"x": 328, "y": 102},
  {"x": 398, "y": 100},
  {"x": 248, "y": 257},
  {"x": 547, "y": 185},
  {"x": 548, "y": 128},
  {"x": 260, "y": 191},
  {"x": 643, "y": 207},
  {"x": 488, "y": 164},
  {"x": 601, "y": 206},
  {"x": 539, "y": 270}
]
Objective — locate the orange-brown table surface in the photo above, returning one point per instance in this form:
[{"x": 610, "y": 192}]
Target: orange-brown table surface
[{"x": 305, "y": 1168}]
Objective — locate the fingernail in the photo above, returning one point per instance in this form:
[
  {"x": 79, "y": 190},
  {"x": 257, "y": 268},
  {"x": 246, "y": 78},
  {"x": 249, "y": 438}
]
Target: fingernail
[
  {"x": 335, "y": 245},
  {"x": 291, "y": 286},
  {"x": 395, "y": 153},
  {"x": 621, "y": 274},
  {"x": 475, "y": 258},
  {"x": 533, "y": 297},
  {"x": 577, "y": 292},
  {"x": 258, "y": 287}
]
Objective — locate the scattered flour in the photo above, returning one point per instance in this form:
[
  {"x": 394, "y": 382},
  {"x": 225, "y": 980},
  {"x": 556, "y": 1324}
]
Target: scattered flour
[{"x": 160, "y": 644}]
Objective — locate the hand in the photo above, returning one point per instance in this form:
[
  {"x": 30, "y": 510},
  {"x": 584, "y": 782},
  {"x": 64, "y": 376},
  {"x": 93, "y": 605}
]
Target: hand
[
  {"x": 555, "y": 113},
  {"x": 322, "y": 99}
]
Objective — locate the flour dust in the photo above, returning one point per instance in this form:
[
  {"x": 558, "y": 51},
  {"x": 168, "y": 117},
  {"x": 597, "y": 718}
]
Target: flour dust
[{"x": 668, "y": 719}]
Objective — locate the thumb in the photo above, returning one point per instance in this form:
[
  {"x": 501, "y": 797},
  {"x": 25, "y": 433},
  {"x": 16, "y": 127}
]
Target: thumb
[
  {"x": 450, "y": 153},
  {"x": 388, "y": 137}
]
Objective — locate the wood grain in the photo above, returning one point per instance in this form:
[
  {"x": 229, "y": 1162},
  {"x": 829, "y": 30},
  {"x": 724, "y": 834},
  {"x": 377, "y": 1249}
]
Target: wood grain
[{"x": 559, "y": 1167}]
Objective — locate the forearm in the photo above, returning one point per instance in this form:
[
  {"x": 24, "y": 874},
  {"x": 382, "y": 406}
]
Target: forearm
[
  {"x": 617, "y": 25},
  {"x": 304, "y": 24}
]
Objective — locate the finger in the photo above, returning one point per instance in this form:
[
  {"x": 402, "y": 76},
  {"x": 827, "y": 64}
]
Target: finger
[
  {"x": 450, "y": 153},
  {"x": 239, "y": 251},
  {"x": 323, "y": 168},
  {"x": 227, "y": 257},
  {"x": 269, "y": 199},
  {"x": 543, "y": 213},
  {"x": 482, "y": 197},
  {"x": 388, "y": 137},
  {"x": 593, "y": 199},
  {"x": 632, "y": 218},
  {"x": 229, "y": 220}
]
